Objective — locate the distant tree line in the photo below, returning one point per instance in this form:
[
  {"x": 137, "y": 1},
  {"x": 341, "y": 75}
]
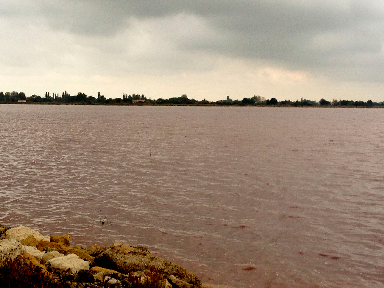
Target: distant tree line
[
  {"x": 141, "y": 99},
  {"x": 260, "y": 101},
  {"x": 12, "y": 96}
]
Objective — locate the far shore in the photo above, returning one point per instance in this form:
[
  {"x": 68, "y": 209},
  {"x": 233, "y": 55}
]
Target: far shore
[
  {"x": 211, "y": 104},
  {"x": 141, "y": 100}
]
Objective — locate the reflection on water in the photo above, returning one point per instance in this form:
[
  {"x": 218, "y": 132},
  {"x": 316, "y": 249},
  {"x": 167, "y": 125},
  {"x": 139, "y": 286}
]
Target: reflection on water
[{"x": 245, "y": 197}]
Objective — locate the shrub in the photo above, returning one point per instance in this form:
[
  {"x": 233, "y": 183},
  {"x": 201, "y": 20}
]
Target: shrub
[{"x": 18, "y": 273}]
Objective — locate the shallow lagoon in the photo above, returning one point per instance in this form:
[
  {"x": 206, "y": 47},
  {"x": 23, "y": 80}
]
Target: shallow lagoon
[{"x": 242, "y": 196}]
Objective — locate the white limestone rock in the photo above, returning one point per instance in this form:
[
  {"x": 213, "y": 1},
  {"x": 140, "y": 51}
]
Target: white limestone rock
[
  {"x": 110, "y": 280},
  {"x": 70, "y": 262},
  {"x": 20, "y": 233},
  {"x": 9, "y": 249},
  {"x": 33, "y": 251},
  {"x": 50, "y": 255}
]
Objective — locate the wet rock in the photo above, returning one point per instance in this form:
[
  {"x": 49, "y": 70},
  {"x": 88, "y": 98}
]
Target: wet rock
[
  {"x": 122, "y": 247},
  {"x": 140, "y": 259},
  {"x": 213, "y": 286},
  {"x": 70, "y": 262},
  {"x": 22, "y": 233},
  {"x": 179, "y": 283}
]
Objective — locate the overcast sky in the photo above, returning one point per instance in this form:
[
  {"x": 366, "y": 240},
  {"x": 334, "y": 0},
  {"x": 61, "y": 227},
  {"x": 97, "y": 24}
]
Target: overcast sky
[{"x": 287, "y": 49}]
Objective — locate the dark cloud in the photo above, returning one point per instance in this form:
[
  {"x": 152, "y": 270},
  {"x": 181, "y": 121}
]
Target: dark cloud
[
  {"x": 302, "y": 36},
  {"x": 342, "y": 39},
  {"x": 295, "y": 34}
]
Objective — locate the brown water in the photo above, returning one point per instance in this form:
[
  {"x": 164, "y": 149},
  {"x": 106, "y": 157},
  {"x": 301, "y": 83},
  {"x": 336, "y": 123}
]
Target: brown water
[{"x": 244, "y": 197}]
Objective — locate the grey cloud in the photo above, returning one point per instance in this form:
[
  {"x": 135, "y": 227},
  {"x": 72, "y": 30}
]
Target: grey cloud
[
  {"x": 344, "y": 37},
  {"x": 286, "y": 35},
  {"x": 84, "y": 18}
]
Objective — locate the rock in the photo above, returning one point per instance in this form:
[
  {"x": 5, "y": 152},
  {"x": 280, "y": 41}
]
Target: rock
[
  {"x": 106, "y": 271},
  {"x": 49, "y": 246},
  {"x": 30, "y": 241},
  {"x": 71, "y": 262},
  {"x": 122, "y": 247},
  {"x": 22, "y": 232},
  {"x": 100, "y": 273},
  {"x": 30, "y": 260},
  {"x": 64, "y": 240},
  {"x": 84, "y": 276},
  {"x": 33, "y": 251},
  {"x": 110, "y": 280},
  {"x": 94, "y": 250},
  {"x": 82, "y": 253},
  {"x": 166, "y": 284},
  {"x": 179, "y": 283},
  {"x": 213, "y": 286},
  {"x": 53, "y": 246},
  {"x": 9, "y": 250},
  {"x": 50, "y": 255},
  {"x": 3, "y": 229},
  {"x": 140, "y": 259}
]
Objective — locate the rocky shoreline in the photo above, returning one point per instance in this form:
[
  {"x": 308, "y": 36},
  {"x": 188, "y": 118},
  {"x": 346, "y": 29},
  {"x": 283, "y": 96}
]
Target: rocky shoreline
[{"x": 30, "y": 259}]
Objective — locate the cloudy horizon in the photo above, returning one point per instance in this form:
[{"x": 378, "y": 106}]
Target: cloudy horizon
[{"x": 286, "y": 49}]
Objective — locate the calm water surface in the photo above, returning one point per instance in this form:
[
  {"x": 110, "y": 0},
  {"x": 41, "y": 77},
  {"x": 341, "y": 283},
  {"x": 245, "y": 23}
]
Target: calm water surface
[{"x": 244, "y": 197}]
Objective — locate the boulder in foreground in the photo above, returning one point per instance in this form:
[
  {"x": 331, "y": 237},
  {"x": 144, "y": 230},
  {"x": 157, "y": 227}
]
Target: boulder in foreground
[{"x": 30, "y": 259}]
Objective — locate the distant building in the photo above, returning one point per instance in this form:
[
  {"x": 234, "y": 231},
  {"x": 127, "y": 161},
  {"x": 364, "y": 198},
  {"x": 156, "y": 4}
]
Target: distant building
[
  {"x": 21, "y": 101},
  {"x": 138, "y": 101}
]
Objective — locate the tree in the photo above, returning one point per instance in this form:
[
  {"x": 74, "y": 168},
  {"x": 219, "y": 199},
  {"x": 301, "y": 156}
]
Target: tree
[
  {"x": 248, "y": 101},
  {"x": 91, "y": 99},
  {"x": 7, "y": 96},
  {"x": 347, "y": 103},
  {"x": 272, "y": 101},
  {"x": 101, "y": 99},
  {"x": 324, "y": 102},
  {"x": 35, "y": 98},
  {"x": 81, "y": 97},
  {"x": 22, "y": 96}
]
